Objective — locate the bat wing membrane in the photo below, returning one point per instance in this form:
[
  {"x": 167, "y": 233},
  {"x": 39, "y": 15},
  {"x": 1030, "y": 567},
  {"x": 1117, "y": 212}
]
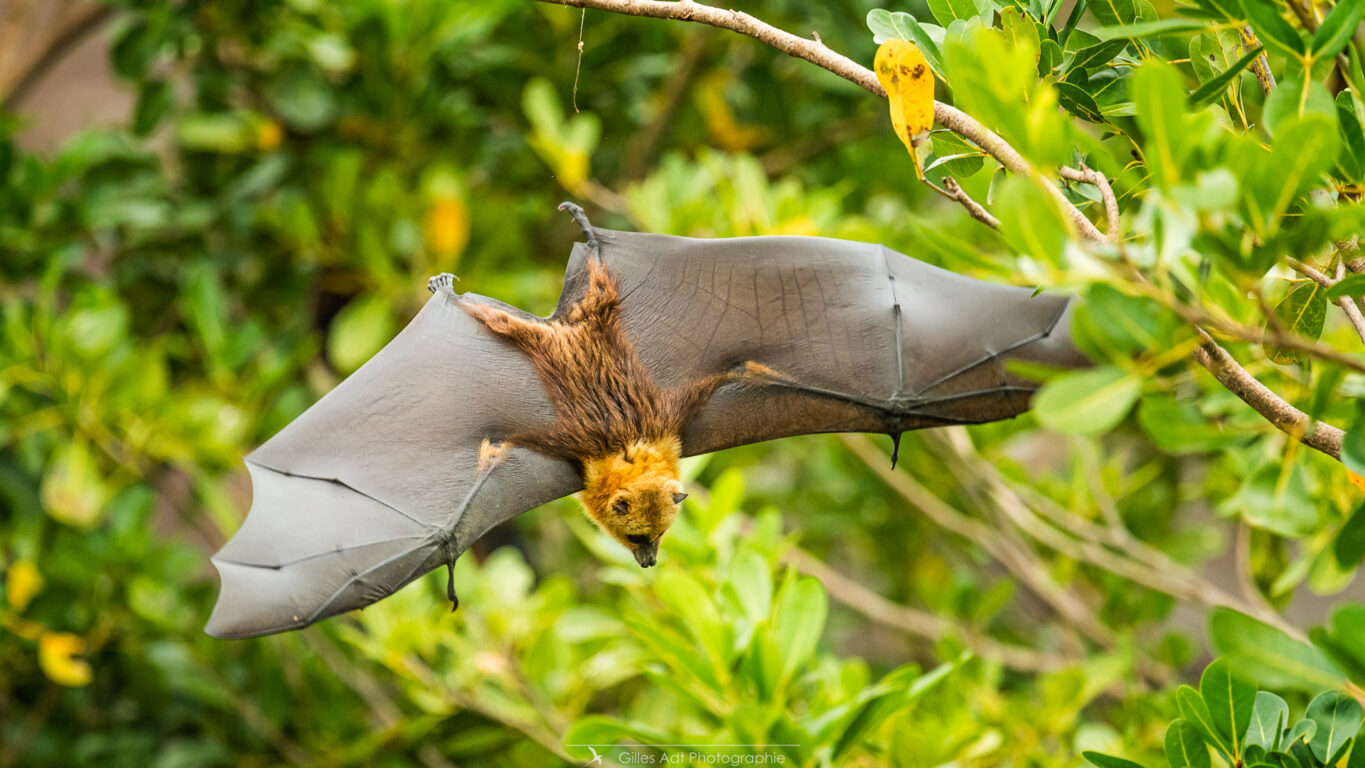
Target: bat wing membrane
[{"x": 381, "y": 480}]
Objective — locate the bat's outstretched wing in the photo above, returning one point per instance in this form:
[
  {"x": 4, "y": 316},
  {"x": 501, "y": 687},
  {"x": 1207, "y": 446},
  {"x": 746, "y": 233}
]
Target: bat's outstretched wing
[
  {"x": 832, "y": 335},
  {"x": 382, "y": 480}
]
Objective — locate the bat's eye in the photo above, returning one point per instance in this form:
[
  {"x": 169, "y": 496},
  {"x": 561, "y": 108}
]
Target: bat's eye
[
  {"x": 622, "y": 506},
  {"x": 678, "y": 498},
  {"x": 636, "y": 538}
]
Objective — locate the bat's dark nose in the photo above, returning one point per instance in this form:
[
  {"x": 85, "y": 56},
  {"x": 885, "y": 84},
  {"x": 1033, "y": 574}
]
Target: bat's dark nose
[{"x": 647, "y": 554}]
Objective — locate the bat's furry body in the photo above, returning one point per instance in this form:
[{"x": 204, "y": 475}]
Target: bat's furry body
[
  {"x": 661, "y": 347},
  {"x": 611, "y": 422}
]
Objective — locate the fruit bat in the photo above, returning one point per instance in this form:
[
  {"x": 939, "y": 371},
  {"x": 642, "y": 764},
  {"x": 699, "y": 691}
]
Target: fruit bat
[{"x": 660, "y": 347}]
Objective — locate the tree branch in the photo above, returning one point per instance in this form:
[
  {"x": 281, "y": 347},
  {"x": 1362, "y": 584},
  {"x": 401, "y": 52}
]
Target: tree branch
[
  {"x": 1285, "y": 417},
  {"x": 1101, "y": 182},
  {"x": 1018, "y": 559},
  {"x": 973, "y": 207},
  {"x": 849, "y": 592},
  {"x": 67, "y": 37}
]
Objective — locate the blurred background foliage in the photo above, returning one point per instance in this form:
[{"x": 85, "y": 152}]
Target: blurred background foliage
[{"x": 181, "y": 279}]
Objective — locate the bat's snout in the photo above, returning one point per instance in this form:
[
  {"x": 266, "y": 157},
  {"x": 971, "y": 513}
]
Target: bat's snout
[{"x": 647, "y": 554}]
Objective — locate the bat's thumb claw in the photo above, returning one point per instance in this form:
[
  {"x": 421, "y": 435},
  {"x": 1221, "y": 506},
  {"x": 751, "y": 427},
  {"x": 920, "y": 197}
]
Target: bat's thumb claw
[
  {"x": 442, "y": 282},
  {"x": 581, "y": 219}
]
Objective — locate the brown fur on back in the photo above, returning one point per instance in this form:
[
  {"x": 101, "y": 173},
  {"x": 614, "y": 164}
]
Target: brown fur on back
[{"x": 604, "y": 397}]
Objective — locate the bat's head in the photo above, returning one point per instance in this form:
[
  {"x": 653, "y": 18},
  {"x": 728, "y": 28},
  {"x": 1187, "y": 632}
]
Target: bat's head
[{"x": 634, "y": 494}]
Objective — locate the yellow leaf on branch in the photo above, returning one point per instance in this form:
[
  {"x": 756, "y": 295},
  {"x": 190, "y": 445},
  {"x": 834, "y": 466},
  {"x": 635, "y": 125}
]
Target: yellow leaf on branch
[{"x": 904, "y": 73}]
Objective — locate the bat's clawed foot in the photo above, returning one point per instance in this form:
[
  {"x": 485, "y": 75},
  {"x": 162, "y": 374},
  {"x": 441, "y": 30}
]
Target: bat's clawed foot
[
  {"x": 442, "y": 282},
  {"x": 450, "y": 587}
]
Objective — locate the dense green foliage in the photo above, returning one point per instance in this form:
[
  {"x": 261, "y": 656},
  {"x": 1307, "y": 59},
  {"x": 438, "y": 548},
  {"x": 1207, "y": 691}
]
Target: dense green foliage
[{"x": 177, "y": 288}]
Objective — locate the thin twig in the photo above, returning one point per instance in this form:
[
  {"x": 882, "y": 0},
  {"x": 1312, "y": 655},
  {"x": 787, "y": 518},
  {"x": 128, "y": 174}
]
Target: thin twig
[
  {"x": 973, "y": 207},
  {"x": 849, "y": 592},
  {"x": 1262, "y": 67},
  {"x": 1101, "y": 182},
  {"x": 1203, "y": 319},
  {"x": 1285, "y": 417},
  {"x": 1077, "y": 539},
  {"x": 1030, "y": 570},
  {"x": 578, "y": 68}
]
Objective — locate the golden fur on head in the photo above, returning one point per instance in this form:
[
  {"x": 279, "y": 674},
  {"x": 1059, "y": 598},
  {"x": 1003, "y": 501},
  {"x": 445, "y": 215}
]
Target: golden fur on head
[{"x": 634, "y": 494}]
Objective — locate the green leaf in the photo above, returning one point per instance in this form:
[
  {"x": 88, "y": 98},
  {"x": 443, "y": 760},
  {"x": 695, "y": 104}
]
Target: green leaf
[
  {"x": 1295, "y": 97},
  {"x": 1109, "y": 761},
  {"x": 1336, "y": 30},
  {"x": 1269, "y": 656},
  {"x": 1269, "y": 718},
  {"x": 1147, "y": 29},
  {"x": 797, "y": 623},
  {"x": 1272, "y": 29},
  {"x": 1030, "y": 221},
  {"x": 1159, "y": 95},
  {"x": 1020, "y": 30},
  {"x": 1303, "y": 150},
  {"x": 1096, "y": 55},
  {"x": 1338, "y": 718},
  {"x": 215, "y": 132},
  {"x": 690, "y": 601},
  {"x": 1210, "y": 91},
  {"x": 1111, "y": 321},
  {"x": 1049, "y": 56},
  {"x": 73, "y": 489},
  {"x": 886, "y": 25},
  {"x": 1196, "y": 713},
  {"x": 1184, "y": 748},
  {"x": 966, "y": 160},
  {"x": 752, "y": 585},
  {"x": 948, "y": 11},
  {"x": 1351, "y": 286},
  {"x": 1340, "y": 643},
  {"x": 1177, "y": 427},
  {"x": 1275, "y": 498},
  {"x": 359, "y": 330},
  {"x": 1079, "y": 103},
  {"x": 899, "y": 689},
  {"x": 1112, "y": 13},
  {"x": 1353, "y": 153},
  {"x": 1087, "y": 402},
  {"x": 1349, "y": 547},
  {"x": 1230, "y": 700},
  {"x": 303, "y": 99},
  {"x": 1301, "y": 312}
]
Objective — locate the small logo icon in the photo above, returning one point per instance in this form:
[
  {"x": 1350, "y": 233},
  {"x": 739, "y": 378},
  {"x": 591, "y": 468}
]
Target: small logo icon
[{"x": 596, "y": 758}]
